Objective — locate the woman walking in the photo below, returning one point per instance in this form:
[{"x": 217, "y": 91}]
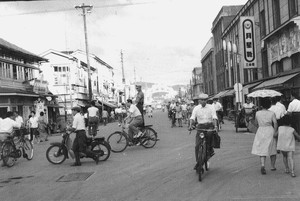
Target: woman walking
[
  {"x": 42, "y": 128},
  {"x": 178, "y": 114},
  {"x": 264, "y": 142}
]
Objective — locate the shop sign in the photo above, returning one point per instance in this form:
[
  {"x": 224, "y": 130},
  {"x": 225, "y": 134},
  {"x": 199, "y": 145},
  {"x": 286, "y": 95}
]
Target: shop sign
[
  {"x": 248, "y": 40},
  {"x": 40, "y": 86}
]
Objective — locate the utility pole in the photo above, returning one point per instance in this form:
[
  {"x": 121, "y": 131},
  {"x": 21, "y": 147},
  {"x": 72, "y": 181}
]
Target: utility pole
[
  {"x": 123, "y": 76},
  {"x": 86, "y": 9}
]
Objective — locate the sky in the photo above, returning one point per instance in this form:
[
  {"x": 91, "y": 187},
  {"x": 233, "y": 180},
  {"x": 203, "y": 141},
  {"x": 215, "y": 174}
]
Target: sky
[{"x": 161, "y": 40}]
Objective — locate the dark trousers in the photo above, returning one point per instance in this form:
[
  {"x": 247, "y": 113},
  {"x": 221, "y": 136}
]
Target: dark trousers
[
  {"x": 141, "y": 109},
  {"x": 80, "y": 145},
  {"x": 208, "y": 137}
]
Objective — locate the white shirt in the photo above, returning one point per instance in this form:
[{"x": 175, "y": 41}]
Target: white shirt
[
  {"x": 78, "y": 122},
  {"x": 19, "y": 120},
  {"x": 93, "y": 111},
  {"x": 134, "y": 110},
  {"x": 204, "y": 114},
  {"x": 33, "y": 122},
  {"x": 172, "y": 105},
  {"x": 118, "y": 110},
  {"x": 279, "y": 112},
  {"x": 248, "y": 106},
  {"x": 294, "y": 106},
  {"x": 217, "y": 106},
  {"x": 281, "y": 105},
  {"x": 184, "y": 107},
  {"x": 7, "y": 125}
]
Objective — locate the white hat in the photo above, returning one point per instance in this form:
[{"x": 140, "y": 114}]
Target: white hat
[{"x": 203, "y": 96}]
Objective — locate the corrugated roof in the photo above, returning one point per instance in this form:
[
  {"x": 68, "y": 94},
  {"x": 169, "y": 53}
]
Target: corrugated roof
[{"x": 7, "y": 45}]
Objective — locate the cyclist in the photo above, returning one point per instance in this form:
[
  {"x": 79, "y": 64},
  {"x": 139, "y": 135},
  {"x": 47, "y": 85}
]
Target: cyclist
[
  {"x": 136, "y": 120},
  {"x": 206, "y": 119},
  {"x": 79, "y": 144}
]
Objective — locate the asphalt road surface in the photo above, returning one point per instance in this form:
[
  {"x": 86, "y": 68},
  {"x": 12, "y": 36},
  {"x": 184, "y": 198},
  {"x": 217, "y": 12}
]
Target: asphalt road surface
[{"x": 163, "y": 173}]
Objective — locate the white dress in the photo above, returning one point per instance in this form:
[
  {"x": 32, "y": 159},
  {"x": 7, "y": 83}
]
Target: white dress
[
  {"x": 264, "y": 143},
  {"x": 286, "y": 139}
]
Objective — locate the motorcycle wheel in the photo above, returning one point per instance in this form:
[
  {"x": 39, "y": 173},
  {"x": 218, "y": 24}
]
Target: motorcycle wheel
[
  {"x": 102, "y": 149},
  {"x": 56, "y": 154}
]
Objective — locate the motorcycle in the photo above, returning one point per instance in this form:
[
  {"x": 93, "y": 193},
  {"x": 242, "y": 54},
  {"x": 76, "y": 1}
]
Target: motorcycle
[{"x": 58, "y": 152}]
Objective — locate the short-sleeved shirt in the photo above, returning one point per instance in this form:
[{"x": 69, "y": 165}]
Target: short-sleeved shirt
[
  {"x": 33, "y": 122},
  {"x": 134, "y": 110},
  {"x": 281, "y": 105},
  {"x": 279, "y": 112},
  {"x": 19, "y": 120},
  {"x": 184, "y": 107},
  {"x": 294, "y": 106},
  {"x": 93, "y": 111},
  {"x": 7, "y": 125},
  {"x": 78, "y": 122},
  {"x": 104, "y": 114},
  {"x": 204, "y": 114},
  {"x": 118, "y": 110},
  {"x": 218, "y": 106}
]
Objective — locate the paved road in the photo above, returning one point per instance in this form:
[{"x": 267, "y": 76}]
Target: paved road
[{"x": 163, "y": 173}]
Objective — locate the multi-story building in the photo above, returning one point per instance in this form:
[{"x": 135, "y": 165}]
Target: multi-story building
[
  {"x": 219, "y": 72},
  {"x": 21, "y": 89},
  {"x": 208, "y": 68},
  {"x": 197, "y": 82},
  {"x": 266, "y": 36}
]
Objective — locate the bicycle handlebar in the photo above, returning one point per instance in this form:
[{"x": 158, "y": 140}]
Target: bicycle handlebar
[{"x": 202, "y": 129}]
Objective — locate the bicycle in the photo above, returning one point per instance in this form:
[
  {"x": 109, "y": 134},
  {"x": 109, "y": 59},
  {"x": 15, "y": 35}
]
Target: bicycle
[
  {"x": 120, "y": 140},
  {"x": 202, "y": 159},
  {"x": 12, "y": 150}
]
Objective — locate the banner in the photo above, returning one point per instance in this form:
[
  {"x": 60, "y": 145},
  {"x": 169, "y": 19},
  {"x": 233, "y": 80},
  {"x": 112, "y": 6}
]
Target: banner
[{"x": 248, "y": 41}]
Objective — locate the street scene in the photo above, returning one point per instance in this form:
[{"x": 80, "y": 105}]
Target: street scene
[
  {"x": 164, "y": 172},
  {"x": 150, "y": 100}
]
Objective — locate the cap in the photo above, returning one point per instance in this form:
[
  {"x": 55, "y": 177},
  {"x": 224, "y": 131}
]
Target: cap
[
  {"x": 76, "y": 108},
  {"x": 203, "y": 96}
]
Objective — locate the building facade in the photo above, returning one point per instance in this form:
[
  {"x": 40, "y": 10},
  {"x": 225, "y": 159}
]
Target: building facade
[
  {"x": 197, "y": 82},
  {"x": 208, "y": 68}
]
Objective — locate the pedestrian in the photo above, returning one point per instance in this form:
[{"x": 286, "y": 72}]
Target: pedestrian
[
  {"x": 104, "y": 116},
  {"x": 93, "y": 119},
  {"x": 139, "y": 100},
  {"x": 79, "y": 144},
  {"x": 20, "y": 121},
  {"x": 118, "y": 112},
  {"x": 172, "y": 112},
  {"x": 184, "y": 111},
  {"x": 264, "y": 143},
  {"x": 294, "y": 105},
  {"x": 34, "y": 133},
  {"x": 279, "y": 112},
  {"x": 112, "y": 115},
  {"x": 178, "y": 114},
  {"x": 219, "y": 110},
  {"x": 42, "y": 127},
  {"x": 248, "y": 108},
  {"x": 149, "y": 111},
  {"x": 286, "y": 144}
]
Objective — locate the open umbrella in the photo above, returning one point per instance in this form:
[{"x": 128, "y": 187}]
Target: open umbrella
[{"x": 264, "y": 93}]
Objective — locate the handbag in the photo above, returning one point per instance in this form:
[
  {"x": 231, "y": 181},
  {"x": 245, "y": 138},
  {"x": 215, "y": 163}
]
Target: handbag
[{"x": 216, "y": 140}]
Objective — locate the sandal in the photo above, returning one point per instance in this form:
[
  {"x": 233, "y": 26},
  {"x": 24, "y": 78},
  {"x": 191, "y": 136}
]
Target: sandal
[
  {"x": 287, "y": 171},
  {"x": 263, "y": 170},
  {"x": 273, "y": 169},
  {"x": 293, "y": 174}
]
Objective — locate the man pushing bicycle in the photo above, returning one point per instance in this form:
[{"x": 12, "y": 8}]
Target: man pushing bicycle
[{"x": 206, "y": 119}]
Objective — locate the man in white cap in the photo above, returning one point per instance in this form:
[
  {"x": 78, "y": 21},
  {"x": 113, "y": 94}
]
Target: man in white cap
[{"x": 206, "y": 119}]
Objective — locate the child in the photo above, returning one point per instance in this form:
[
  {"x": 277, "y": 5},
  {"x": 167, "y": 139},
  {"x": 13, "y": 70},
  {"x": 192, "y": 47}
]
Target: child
[{"x": 286, "y": 144}]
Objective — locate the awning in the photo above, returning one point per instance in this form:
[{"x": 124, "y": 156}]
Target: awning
[
  {"x": 228, "y": 93},
  {"x": 218, "y": 95},
  {"x": 16, "y": 92},
  {"x": 107, "y": 104},
  {"x": 275, "y": 82},
  {"x": 248, "y": 87}
]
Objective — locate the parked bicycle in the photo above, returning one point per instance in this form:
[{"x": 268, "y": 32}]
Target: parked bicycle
[
  {"x": 58, "y": 152},
  {"x": 14, "y": 147},
  {"x": 120, "y": 140},
  {"x": 202, "y": 152}
]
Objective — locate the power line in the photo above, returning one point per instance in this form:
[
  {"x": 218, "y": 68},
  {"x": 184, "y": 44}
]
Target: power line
[{"x": 71, "y": 9}]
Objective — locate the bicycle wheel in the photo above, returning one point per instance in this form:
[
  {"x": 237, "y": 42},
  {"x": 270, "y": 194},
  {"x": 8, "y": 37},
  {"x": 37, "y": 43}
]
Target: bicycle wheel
[
  {"x": 28, "y": 149},
  {"x": 148, "y": 140},
  {"x": 102, "y": 149},
  {"x": 56, "y": 154},
  {"x": 8, "y": 154},
  {"x": 117, "y": 141}
]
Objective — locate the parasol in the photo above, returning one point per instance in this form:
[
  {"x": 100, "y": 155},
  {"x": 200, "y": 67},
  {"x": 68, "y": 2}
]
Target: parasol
[{"x": 264, "y": 93}]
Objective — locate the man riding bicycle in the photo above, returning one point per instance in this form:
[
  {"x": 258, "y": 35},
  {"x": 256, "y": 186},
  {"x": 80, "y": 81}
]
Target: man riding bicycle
[
  {"x": 7, "y": 125},
  {"x": 136, "y": 120},
  {"x": 206, "y": 119}
]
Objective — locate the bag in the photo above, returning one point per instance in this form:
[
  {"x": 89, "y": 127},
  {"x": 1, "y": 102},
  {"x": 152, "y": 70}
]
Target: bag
[{"x": 216, "y": 141}]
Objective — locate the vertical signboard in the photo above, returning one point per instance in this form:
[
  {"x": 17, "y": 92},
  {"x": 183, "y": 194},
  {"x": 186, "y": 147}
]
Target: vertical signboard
[{"x": 248, "y": 41}]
